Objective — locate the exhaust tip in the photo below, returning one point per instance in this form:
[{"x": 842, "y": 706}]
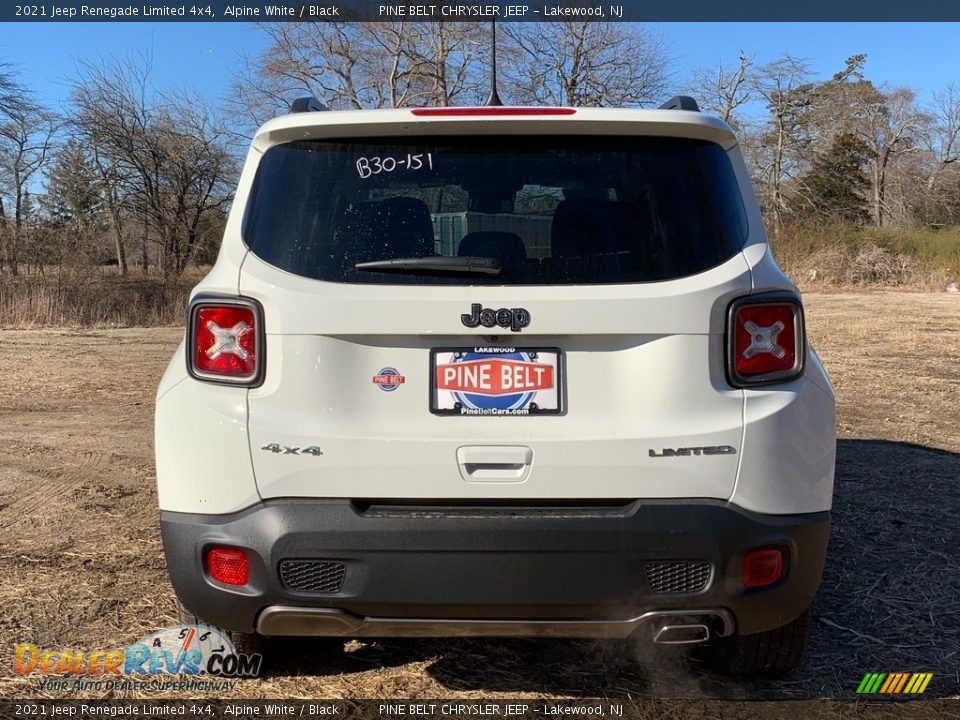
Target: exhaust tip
[{"x": 682, "y": 634}]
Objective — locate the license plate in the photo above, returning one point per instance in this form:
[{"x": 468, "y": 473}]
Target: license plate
[{"x": 496, "y": 381}]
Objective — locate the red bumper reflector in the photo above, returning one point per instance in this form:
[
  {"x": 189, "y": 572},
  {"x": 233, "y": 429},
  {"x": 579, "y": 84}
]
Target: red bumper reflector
[
  {"x": 228, "y": 566},
  {"x": 490, "y": 111},
  {"x": 762, "y": 568}
]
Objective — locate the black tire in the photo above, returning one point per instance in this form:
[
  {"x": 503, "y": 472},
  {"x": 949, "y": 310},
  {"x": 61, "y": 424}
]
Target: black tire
[
  {"x": 243, "y": 643},
  {"x": 773, "y": 653}
]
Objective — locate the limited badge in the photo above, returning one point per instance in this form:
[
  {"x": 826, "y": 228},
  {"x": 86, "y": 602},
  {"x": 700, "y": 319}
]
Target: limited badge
[{"x": 389, "y": 379}]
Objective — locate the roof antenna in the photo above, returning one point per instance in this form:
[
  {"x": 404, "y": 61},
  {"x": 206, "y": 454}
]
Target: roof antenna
[{"x": 494, "y": 99}]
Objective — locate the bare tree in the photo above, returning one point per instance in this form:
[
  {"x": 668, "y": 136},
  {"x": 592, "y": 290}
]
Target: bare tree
[
  {"x": 893, "y": 126},
  {"x": 27, "y": 132},
  {"x": 162, "y": 160},
  {"x": 197, "y": 182},
  {"x": 10, "y": 89},
  {"x": 445, "y": 60},
  {"x": 112, "y": 117},
  {"x": 784, "y": 86},
  {"x": 585, "y": 64},
  {"x": 723, "y": 90},
  {"x": 8, "y": 92},
  {"x": 944, "y": 138},
  {"x": 361, "y": 65}
]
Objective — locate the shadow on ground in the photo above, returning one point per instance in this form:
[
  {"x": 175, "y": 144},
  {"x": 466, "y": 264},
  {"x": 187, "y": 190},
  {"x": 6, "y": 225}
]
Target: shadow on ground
[{"x": 888, "y": 603}]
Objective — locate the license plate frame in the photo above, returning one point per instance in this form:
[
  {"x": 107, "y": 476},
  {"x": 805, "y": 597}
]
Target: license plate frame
[{"x": 499, "y": 403}]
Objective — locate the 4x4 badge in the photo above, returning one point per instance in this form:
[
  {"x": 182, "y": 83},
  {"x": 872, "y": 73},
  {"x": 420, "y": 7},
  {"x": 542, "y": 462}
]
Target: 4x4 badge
[
  {"x": 514, "y": 318},
  {"x": 287, "y": 450}
]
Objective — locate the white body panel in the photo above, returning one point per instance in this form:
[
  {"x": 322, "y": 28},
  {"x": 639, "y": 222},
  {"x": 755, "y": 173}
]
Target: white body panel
[
  {"x": 644, "y": 366},
  {"x": 202, "y": 450},
  {"x": 387, "y": 445},
  {"x": 788, "y": 452}
]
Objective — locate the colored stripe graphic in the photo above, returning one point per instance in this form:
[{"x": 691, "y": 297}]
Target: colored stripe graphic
[
  {"x": 871, "y": 682},
  {"x": 898, "y": 683},
  {"x": 890, "y": 681},
  {"x": 915, "y": 680},
  {"x": 894, "y": 683}
]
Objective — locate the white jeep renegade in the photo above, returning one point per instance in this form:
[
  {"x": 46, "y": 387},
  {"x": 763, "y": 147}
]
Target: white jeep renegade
[{"x": 498, "y": 371}]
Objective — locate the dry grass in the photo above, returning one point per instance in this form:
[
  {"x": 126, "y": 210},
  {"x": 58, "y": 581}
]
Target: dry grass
[
  {"x": 83, "y": 567},
  {"x": 93, "y": 297},
  {"x": 845, "y": 256}
]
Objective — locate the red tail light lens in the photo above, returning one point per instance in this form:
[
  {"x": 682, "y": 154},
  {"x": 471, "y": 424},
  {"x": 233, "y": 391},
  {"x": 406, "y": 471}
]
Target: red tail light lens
[
  {"x": 765, "y": 339},
  {"x": 225, "y": 341},
  {"x": 228, "y": 566},
  {"x": 762, "y": 568}
]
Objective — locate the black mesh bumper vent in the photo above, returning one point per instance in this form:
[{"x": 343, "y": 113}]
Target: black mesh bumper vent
[
  {"x": 313, "y": 576},
  {"x": 678, "y": 576}
]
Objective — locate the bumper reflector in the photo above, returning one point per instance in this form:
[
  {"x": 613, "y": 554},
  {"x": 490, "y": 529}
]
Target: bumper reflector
[
  {"x": 762, "y": 568},
  {"x": 227, "y": 566}
]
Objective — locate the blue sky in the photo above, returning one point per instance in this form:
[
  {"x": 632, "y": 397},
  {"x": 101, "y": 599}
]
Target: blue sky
[{"x": 202, "y": 56}]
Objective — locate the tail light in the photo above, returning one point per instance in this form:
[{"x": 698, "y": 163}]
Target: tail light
[
  {"x": 765, "y": 339},
  {"x": 225, "y": 340},
  {"x": 227, "y": 565}
]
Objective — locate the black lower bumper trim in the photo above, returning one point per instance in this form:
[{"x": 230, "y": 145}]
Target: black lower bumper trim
[{"x": 496, "y": 566}]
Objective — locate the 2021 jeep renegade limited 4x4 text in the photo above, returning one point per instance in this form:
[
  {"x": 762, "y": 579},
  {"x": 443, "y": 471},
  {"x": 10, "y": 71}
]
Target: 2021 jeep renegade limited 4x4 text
[{"x": 498, "y": 371}]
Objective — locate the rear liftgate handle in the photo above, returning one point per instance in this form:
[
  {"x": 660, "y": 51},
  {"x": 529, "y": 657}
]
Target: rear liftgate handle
[{"x": 494, "y": 463}]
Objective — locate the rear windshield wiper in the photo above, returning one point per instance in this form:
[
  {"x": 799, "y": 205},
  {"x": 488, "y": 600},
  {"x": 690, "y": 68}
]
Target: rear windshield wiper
[{"x": 436, "y": 263}]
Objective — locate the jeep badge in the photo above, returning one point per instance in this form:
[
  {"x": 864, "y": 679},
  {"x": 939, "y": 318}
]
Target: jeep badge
[{"x": 514, "y": 318}]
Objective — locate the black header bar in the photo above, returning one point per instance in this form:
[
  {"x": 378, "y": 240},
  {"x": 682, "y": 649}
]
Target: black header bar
[{"x": 482, "y": 11}]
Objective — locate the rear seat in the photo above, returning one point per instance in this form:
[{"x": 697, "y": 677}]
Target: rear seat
[{"x": 591, "y": 239}]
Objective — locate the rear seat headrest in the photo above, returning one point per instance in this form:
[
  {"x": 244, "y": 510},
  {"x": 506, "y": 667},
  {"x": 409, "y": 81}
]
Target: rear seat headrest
[
  {"x": 506, "y": 247},
  {"x": 589, "y": 226}
]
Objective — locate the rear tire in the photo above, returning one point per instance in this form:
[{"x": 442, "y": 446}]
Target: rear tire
[
  {"x": 243, "y": 643},
  {"x": 771, "y": 654}
]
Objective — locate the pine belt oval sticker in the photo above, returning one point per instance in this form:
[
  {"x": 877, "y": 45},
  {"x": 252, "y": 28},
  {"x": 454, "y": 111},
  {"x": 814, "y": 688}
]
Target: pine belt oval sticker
[{"x": 389, "y": 379}]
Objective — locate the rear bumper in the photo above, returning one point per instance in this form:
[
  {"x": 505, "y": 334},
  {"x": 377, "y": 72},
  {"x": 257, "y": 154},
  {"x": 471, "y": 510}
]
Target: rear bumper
[{"x": 453, "y": 570}]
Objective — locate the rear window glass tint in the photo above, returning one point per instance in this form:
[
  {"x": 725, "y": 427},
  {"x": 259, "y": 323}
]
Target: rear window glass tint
[{"x": 550, "y": 210}]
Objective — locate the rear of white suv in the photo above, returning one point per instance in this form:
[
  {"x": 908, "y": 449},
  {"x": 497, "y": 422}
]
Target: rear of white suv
[{"x": 498, "y": 371}]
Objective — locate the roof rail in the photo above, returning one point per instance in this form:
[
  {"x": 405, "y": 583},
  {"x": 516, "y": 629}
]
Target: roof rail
[
  {"x": 307, "y": 104},
  {"x": 681, "y": 102}
]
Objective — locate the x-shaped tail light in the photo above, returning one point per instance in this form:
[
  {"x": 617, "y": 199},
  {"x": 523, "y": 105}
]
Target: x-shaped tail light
[
  {"x": 227, "y": 340},
  {"x": 765, "y": 339},
  {"x": 225, "y": 337}
]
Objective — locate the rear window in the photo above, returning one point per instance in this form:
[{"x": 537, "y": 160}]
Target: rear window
[{"x": 550, "y": 210}]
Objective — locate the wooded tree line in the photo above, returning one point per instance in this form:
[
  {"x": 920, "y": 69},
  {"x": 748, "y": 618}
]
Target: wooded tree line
[
  {"x": 842, "y": 149},
  {"x": 125, "y": 171},
  {"x": 135, "y": 176}
]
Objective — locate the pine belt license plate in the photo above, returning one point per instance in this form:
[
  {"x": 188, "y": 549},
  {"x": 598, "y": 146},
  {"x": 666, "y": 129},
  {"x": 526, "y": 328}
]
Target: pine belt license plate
[{"x": 496, "y": 381}]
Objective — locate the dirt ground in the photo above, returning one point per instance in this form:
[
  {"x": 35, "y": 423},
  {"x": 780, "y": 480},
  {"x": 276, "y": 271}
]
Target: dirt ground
[{"x": 81, "y": 563}]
